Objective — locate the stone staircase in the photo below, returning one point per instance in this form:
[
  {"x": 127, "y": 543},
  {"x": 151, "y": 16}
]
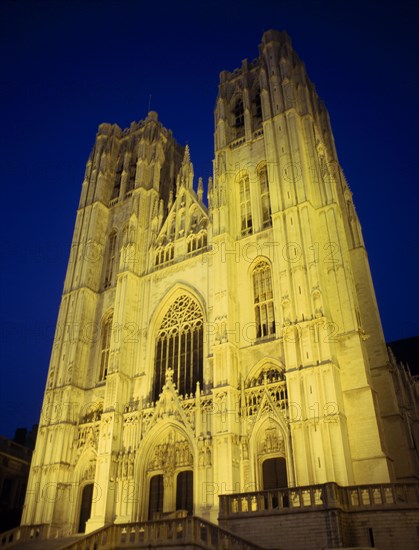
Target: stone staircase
[
  {"x": 187, "y": 533},
  {"x": 60, "y": 543}
]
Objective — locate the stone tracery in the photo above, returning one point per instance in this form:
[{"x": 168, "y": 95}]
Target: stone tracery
[{"x": 179, "y": 346}]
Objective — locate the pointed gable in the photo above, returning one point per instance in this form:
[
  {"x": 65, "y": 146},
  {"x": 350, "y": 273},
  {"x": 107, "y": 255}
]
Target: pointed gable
[{"x": 187, "y": 218}]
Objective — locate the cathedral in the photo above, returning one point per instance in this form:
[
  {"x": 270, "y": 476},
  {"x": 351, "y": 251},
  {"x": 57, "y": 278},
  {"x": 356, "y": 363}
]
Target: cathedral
[{"x": 218, "y": 337}]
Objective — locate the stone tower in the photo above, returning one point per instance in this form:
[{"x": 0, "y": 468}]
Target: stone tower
[{"x": 207, "y": 348}]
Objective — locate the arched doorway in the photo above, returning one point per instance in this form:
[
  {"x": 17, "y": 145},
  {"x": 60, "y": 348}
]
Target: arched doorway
[
  {"x": 85, "y": 507},
  {"x": 274, "y": 473},
  {"x": 184, "y": 491},
  {"x": 168, "y": 475},
  {"x": 155, "y": 502}
]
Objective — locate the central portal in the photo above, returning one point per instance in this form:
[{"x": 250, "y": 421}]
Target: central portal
[{"x": 167, "y": 501}]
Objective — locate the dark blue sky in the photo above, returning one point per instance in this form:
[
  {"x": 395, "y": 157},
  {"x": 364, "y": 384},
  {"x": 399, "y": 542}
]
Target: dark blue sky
[{"x": 67, "y": 66}]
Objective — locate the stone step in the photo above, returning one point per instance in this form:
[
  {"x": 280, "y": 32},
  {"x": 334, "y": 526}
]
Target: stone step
[{"x": 46, "y": 544}]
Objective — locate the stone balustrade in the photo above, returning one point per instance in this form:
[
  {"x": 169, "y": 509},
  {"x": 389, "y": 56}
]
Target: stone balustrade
[
  {"x": 177, "y": 531},
  {"x": 23, "y": 533},
  {"x": 326, "y": 496},
  {"x": 187, "y": 531}
]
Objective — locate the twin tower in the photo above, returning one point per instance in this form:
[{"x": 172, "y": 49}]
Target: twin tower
[{"x": 218, "y": 337}]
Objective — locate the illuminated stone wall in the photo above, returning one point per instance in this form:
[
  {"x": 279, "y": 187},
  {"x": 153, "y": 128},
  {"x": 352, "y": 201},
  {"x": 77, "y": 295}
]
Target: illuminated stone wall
[{"x": 212, "y": 337}]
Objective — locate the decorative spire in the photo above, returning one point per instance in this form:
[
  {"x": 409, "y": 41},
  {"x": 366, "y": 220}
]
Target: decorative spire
[
  {"x": 169, "y": 375},
  {"x": 185, "y": 176},
  {"x": 187, "y": 155},
  {"x": 210, "y": 192},
  {"x": 200, "y": 189},
  {"x": 161, "y": 212}
]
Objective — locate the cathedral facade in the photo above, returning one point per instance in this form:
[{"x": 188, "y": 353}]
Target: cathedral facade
[{"x": 222, "y": 345}]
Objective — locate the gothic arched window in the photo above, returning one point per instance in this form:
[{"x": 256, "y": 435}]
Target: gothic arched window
[
  {"x": 159, "y": 258},
  {"x": 105, "y": 339},
  {"x": 132, "y": 168},
  {"x": 179, "y": 347},
  {"x": 264, "y": 196},
  {"x": 239, "y": 114},
  {"x": 258, "y": 105},
  {"x": 270, "y": 374},
  {"x": 110, "y": 266},
  {"x": 117, "y": 184},
  {"x": 196, "y": 242},
  {"x": 245, "y": 206},
  {"x": 169, "y": 252},
  {"x": 164, "y": 254},
  {"x": 202, "y": 239},
  {"x": 263, "y": 300}
]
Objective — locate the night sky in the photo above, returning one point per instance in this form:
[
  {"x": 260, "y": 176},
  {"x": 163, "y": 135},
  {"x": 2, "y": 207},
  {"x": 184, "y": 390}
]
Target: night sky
[{"x": 67, "y": 66}]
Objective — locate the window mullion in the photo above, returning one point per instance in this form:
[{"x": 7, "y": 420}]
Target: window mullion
[
  {"x": 263, "y": 300},
  {"x": 191, "y": 356},
  {"x": 178, "y": 362}
]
